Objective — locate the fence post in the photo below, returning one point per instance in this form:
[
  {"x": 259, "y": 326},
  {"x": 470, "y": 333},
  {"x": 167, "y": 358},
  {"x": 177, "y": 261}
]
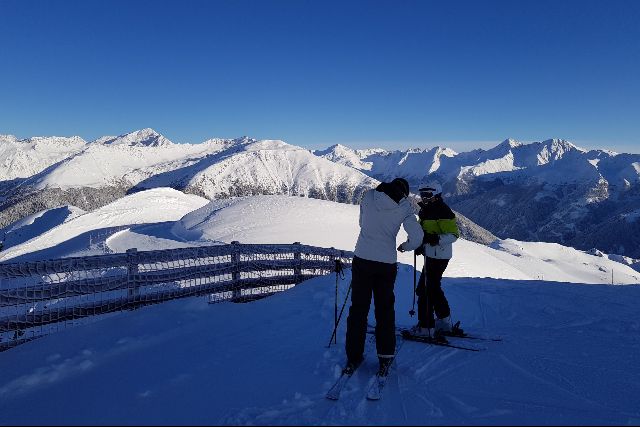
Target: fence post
[
  {"x": 132, "y": 273},
  {"x": 235, "y": 275},
  {"x": 297, "y": 256}
]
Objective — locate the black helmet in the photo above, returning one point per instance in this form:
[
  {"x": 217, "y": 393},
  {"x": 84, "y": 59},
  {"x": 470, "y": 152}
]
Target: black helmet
[{"x": 402, "y": 185}]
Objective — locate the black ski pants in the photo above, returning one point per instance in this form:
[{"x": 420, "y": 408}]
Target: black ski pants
[
  {"x": 367, "y": 278},
  {"x": 430, "y": 295}
]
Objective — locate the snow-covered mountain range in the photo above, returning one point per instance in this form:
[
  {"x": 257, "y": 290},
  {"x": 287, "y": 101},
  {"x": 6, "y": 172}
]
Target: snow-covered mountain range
[
  {"x": 548, "y": 191},
  {"x": 42, "y": 173},
  {"x": 546, "y": 162},
  {"x": 543, "y": 191},
  {"x": 146, "y": 159}
]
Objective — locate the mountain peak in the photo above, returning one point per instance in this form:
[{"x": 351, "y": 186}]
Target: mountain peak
[
  {"x": 146, "y": 137},
  {"x": 511, "y": 143},
  {"x": 563, "y": 145},
  {"x": 244, "y": 140},
  {"x": 340, "y": 147},
  {"x": 444, "y": 151},
  {"x": 335, "y": 149}
]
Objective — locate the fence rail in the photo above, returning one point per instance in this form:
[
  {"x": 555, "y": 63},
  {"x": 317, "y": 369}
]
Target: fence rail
[{"x": 41, "y": 297}]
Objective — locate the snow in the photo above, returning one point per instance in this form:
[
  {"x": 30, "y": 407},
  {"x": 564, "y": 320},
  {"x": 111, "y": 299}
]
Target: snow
[
  {"x": 72, "y": 236},
  {"x": 568, "y": 355},
  {"x": 632, "y": 216},
  {"x": 346, "y": 156},
  {"x": 37, "y": 224},
  {"x": 146, "y": 159},
  {"x": 104, "y": 164},
  {"x": 282, "y": 219},
  {"x": 271, "y": 166},
  {"x": 594, "y": 162},
  {"x": 412, "y": 164},
  {"x": 27, "y": 157},
  {"x": 491, "y": 166},
  {"x": 273, "y": 219},
  {"x": 562, "y": 361},
  {"x": 552, "y": 161},
  {"x": 145, "y": 137},
  {"x": 167, "y": 218}
]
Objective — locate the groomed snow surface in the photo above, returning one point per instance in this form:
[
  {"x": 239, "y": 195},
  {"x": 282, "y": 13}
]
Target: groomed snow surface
[{"x": 569, "y": 353}]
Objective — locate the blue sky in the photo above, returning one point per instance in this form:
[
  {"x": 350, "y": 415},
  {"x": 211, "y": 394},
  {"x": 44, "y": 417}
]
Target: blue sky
[{"x": 397, "y": 74}]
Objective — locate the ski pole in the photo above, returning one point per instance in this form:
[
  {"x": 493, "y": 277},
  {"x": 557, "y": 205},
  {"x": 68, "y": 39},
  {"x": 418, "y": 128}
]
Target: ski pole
[
  {"x": 413, "y": 309},
  {"x": 426, "y": 293},
  {"x": 333, "y": 335},
  {"x": 335, "y": 305},
  {"x": 339, "y": 274}
]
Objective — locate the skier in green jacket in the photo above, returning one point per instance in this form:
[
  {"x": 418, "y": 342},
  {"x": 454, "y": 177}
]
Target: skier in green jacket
[{"x": 440, "y": 232}]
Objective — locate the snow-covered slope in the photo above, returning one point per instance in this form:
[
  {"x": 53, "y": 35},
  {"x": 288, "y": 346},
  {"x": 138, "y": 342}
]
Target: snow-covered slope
[
  {"x": 144, "y": 137},
  {"x": 568, "y": 355},
  {"x": 23, "y": 158},
  {"x": 75, "y": 236},
  {"x": 547, "y": 162},
  {"x": 564, "y": 360},
  {"x": 167, "y": 218},
  {"x": 130, "y": 158},
  {"x": 37, "y": 224},
  {"x": 412, "y": 164},
  {"x": 265, "y": 167},
  {"x": 272, "y": 219},
  {"x": 344, "y": 155},
  {"x": 282, "y": 219}
]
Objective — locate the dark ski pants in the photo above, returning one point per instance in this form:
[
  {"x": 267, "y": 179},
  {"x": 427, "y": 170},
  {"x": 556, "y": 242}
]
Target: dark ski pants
[
  {"x": 367, "y": 278},
  {"x": 430, "y": 296}
]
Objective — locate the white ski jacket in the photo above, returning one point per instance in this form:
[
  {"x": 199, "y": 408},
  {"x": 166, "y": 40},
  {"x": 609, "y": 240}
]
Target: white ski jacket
[
  {"x": 444, "y": 248},
  {"x": 380, "y": 220}
]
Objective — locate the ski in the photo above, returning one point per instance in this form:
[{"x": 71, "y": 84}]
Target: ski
[
  {"x": 470, "y": 337},
  {"x": 336, "y": 389},
  {"x": 435, "y": 341},
  {"x": 456, "y": 332},
  {"x": 406, "y": 335},
  {"x": 380, "y": 379}
]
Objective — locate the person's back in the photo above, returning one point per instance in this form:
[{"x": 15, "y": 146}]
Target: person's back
[
  {"x": 374, "y": 269},
  {"x": 380, "y": 221}
]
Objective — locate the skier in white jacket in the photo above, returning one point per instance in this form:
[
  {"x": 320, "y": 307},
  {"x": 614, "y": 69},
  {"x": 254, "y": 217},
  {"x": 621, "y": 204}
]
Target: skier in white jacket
[{"x": 374, "y": 268}]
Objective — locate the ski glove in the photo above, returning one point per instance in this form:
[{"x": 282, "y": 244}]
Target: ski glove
[
  {"x": 400, "y": 248},
  {"x": 431, "y": 238}
]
